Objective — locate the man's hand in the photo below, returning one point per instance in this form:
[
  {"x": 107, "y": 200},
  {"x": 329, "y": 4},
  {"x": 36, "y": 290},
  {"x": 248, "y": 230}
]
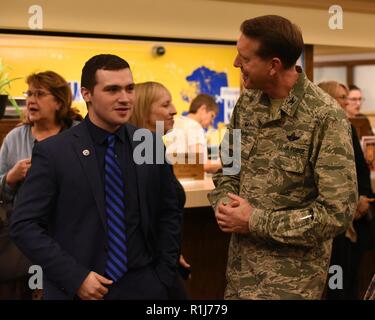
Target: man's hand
[
  {"x": 183, "y": 262},
  {"x": 18, "y": 172},
  {"x": 92, "y": 288},
  {"x": 363, "y": 206},
  {"x": 234, "y": 216}
]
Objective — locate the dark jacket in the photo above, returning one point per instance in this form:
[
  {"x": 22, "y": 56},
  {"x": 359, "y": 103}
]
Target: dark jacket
[
  {"x": 60, "y": 223},
  {"x": 364, "y": 226}
]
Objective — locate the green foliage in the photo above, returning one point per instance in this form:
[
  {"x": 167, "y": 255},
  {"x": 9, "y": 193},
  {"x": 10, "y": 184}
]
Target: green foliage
[{"x": 5, "y": 82}]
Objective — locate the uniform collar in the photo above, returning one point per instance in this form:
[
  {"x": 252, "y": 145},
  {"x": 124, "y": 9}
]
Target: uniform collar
[
  {"x": 291, "y": 102},
  {"x": 295, "y": 95}
]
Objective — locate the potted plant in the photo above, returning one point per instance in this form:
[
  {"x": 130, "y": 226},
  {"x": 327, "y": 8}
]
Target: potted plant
[{"x": 5, "y": 82}]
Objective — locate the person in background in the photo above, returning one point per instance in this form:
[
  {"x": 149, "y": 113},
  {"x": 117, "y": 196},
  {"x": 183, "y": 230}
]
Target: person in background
[
  {"x": 101, "y": 223},
  {"x": 48, "y": 112},
  {"x": 355, "y": 99},
  {"x": 292, "y": 188},
  {"x": 202, "y": 112},
  {"x": 353, "y": 111},
  {"x": 348, "y": 247},
  {"x": 153, "y": 103}
]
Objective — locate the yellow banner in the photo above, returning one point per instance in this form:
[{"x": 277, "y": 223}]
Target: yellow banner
[{"x": 186, "y": 69}]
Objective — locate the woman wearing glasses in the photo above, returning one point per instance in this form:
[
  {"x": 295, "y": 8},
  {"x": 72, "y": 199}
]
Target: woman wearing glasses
[
  {"x": 353, "y": 110},
  {"x": 48, "y": 112},
  {"x": 355, "y": 100}
]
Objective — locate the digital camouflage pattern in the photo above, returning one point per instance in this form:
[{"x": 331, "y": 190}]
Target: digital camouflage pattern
[
  {"x": 370, "y": 293},
  {"x": 298, "y": 172}
]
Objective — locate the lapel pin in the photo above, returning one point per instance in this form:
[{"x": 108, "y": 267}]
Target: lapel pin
[{"x": 86, "y": 152}]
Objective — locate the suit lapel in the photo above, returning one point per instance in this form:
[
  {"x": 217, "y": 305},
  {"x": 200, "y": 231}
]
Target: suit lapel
[{"x": 85, "y": 151}]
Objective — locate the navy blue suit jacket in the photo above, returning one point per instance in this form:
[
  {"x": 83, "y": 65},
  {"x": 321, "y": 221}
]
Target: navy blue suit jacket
[{"x": 59, "y": 221}]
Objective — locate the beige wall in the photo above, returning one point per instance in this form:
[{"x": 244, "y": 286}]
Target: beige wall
[{"x": 200, "y": 19}]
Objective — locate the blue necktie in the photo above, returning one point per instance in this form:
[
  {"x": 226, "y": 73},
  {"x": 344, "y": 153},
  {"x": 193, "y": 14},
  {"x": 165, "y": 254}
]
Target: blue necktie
[{"x": 117, "y": 261}]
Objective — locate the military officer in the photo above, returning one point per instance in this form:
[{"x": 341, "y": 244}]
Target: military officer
[{"x": 296, "y": 187}]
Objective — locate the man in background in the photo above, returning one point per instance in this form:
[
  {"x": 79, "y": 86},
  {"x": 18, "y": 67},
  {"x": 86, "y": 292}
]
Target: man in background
[
  {"x": 353, "y": 110},
  {"x": 202, "y": 112}
]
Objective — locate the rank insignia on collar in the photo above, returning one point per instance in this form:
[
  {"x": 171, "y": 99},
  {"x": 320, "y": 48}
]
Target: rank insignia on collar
[{"x": 292, "y": 100}]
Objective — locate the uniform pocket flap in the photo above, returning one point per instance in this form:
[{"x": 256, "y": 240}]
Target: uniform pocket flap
[{"x": 292, "y": 164}]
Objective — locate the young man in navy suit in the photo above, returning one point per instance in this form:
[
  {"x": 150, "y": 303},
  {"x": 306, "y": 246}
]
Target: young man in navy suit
[{"x": 100, "y": 225}]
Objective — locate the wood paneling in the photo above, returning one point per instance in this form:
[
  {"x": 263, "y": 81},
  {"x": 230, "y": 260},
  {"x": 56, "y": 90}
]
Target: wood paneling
[
  {"x": 309, "y": 61},
  {"x": 205, "y": 247}
]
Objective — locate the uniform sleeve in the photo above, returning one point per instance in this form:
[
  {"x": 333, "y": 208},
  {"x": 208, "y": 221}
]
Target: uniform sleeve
[
  {"x": 370, "y": 293},
  {"x": 336, "y": 182},
  {"x": 228, "y": 178}
]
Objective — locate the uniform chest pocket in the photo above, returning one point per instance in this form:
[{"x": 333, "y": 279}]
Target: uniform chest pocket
[
  {"x": 292, "y": 156},
  {"x": 286, "y": 147},
  {"x": 294, "y": 164}
]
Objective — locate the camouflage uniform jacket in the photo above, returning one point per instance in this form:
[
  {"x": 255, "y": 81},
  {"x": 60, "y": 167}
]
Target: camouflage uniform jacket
[
  {"x": 298, "y": 172},
  {"x": 370, "y": 293}
]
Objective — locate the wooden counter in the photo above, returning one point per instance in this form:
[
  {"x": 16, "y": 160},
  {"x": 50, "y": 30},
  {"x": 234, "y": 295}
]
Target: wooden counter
[
  {"x": 204, "y": 245},
  {"x": 196, "y": 192}
]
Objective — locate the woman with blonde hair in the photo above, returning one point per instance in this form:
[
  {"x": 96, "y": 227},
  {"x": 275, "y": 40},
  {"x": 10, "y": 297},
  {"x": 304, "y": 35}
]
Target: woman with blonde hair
[
  {"x": 153, "y": 103},
  {"x": 336, "y": 90},
  {"x": 48, "y": 112}
]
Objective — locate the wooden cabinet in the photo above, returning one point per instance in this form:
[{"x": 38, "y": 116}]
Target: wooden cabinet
[
  {"x": 5, "y": 126},
  {"x": 205, "y": 247}
]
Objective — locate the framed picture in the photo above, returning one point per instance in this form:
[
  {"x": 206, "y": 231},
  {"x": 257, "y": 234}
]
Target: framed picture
[{"x": 368, "y": 147}]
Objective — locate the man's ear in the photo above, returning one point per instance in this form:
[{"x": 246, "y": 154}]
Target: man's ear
[
  {"x": 276, "y": 65},
  {"x": 86, "y": 94}
]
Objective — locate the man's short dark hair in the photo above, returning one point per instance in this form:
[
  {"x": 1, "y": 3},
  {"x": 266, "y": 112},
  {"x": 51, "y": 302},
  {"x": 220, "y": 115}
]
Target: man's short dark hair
[
  {"x": 101, "y": 61},
  {"x": 278, "y": 37},
  {"x": 203, "y": 99},
  {"x": 353, "y": 87}
]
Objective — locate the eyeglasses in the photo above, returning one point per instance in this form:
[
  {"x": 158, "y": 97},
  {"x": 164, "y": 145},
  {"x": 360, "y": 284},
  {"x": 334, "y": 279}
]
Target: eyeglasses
[
  {"x": 356, "y": 99},
  {"x": 343, "y": 97},
  {"x": 36, "y": 93}
]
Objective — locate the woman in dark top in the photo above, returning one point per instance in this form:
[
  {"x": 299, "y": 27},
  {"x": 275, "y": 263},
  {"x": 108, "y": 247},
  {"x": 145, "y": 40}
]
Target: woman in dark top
[
  {"x": 153, "y": 103},
  {"x": 347, "y": 248}
]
